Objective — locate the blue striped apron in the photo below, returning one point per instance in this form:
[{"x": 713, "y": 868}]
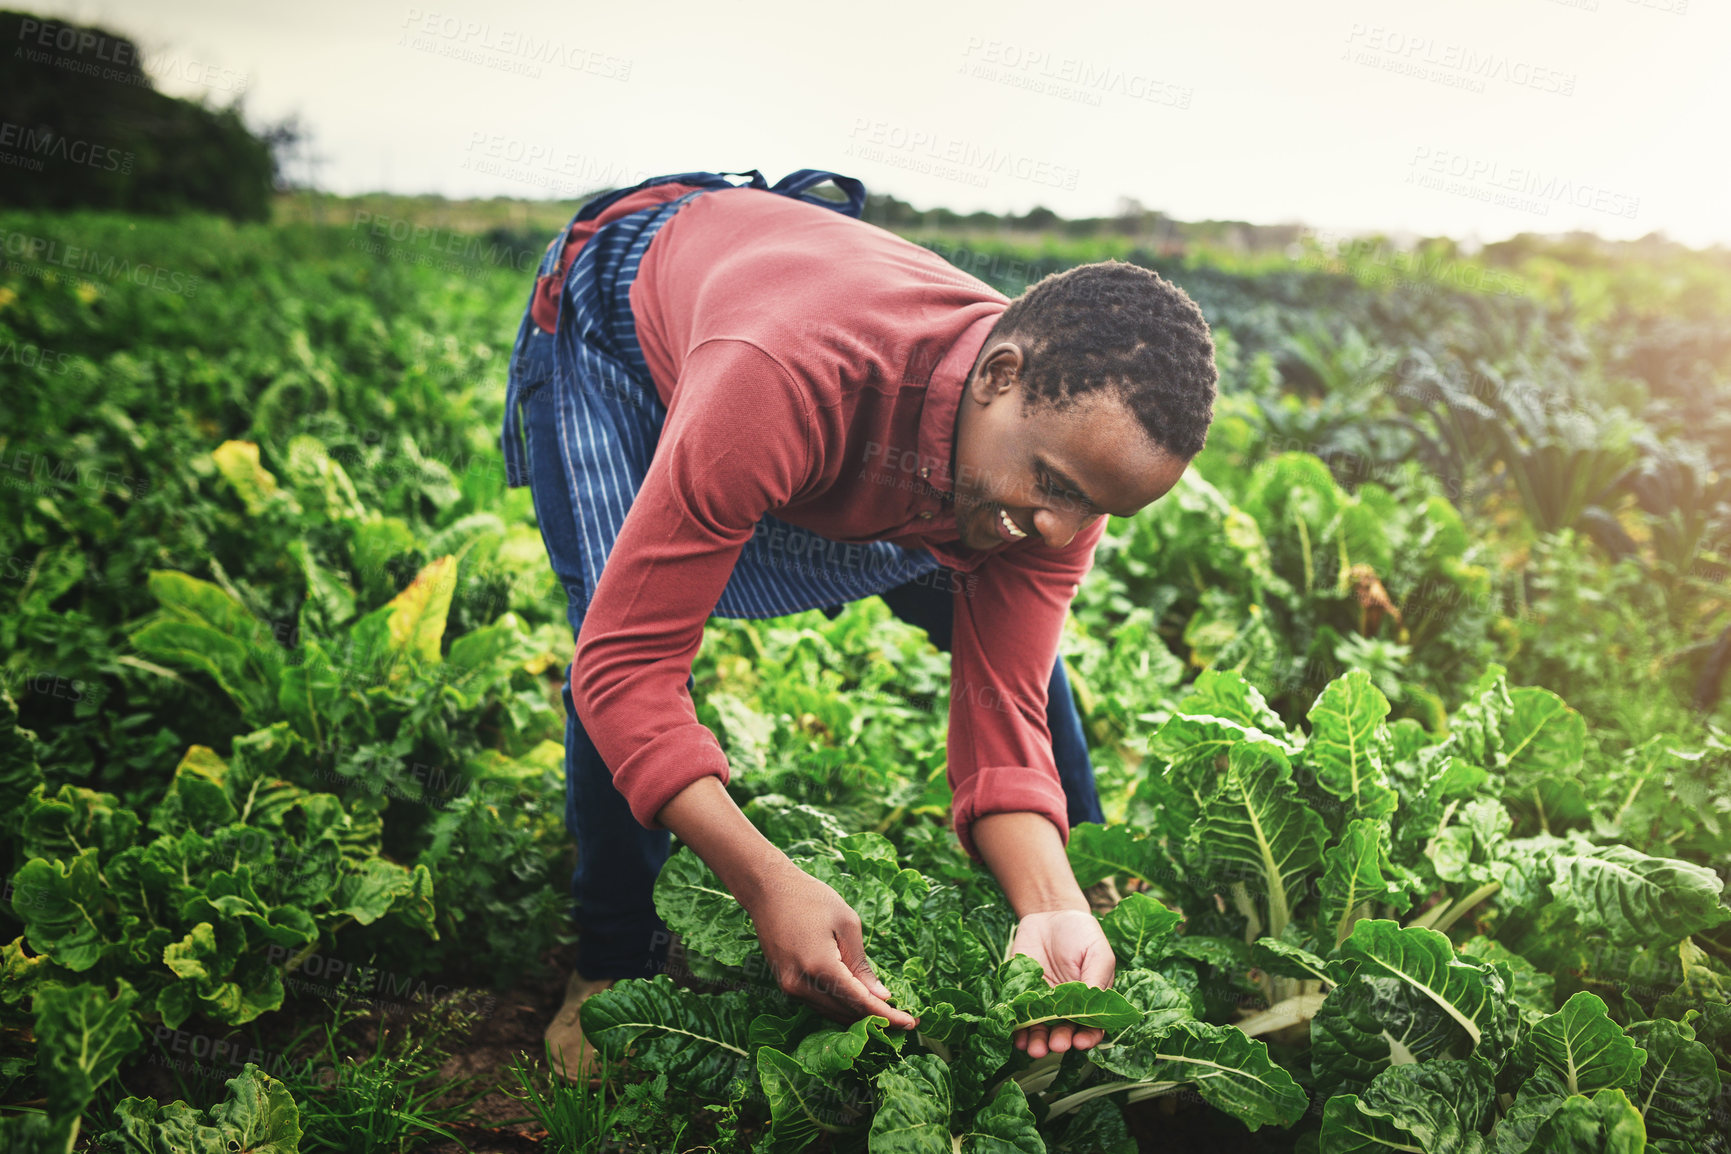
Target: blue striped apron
[{"x": 610, "y": 419}]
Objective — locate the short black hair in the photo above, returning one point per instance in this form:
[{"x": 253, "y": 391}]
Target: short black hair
[{"x": 1118, "y": 325}]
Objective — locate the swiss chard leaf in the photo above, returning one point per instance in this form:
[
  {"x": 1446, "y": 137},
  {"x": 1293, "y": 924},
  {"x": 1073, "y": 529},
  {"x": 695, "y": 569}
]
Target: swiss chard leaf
[
  {"x": 1585, "y": 1048},
  {"x": 1679, "y": 1085},
  {"x": 1345, "y": 750},
  {"x": 701, "y": 1041},
  {"x": 258, "y": 1116},
  {"x": 1256, "y": 835},
  {"x": 1231, "y": 1072}
]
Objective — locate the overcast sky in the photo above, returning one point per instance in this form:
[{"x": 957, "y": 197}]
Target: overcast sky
[{"x": 1472, "y": 118}]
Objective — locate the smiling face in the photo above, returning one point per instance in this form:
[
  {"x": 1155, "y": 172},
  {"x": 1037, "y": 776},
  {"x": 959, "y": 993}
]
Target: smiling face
[{"x": 1051, "y": 472}]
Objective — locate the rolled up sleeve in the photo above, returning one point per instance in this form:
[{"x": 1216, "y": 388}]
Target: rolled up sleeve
[
  {"x": 1007, "y": 626},
  {"x": 735, "y": 445}
]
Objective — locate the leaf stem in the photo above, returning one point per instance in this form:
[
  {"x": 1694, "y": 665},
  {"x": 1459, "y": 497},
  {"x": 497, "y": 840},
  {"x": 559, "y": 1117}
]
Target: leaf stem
[{"x": 1466, "y": 903}]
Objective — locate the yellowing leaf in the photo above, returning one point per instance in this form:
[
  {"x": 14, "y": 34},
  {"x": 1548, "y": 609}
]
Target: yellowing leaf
[
  {"x": 238, "y": 463},
  {"x": 418, "y": 613}
]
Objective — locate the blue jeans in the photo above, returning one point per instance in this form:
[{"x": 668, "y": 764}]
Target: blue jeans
[{"x": 619, "y": 933}]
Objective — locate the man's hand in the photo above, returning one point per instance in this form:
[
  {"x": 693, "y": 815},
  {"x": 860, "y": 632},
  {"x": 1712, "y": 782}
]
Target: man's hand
[
  {"x": 1071, "y": 947},
  {"x": 816, "y": 951},
  {"x": 1057, "y": 928}
]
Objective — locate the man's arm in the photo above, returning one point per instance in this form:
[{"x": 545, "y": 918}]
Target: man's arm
[
  {"x": 813, "y": 940},
  {"x": 1005, "y": 642},
  {"x": 735, "y": 444},
  {"x": 705, "y": 818},
  {"x": 1010, "y": 810},
  {"x": 1027, "y": 857}
]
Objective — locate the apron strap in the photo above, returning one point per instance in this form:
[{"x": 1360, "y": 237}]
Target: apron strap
[{"x": 794, "y": 184}]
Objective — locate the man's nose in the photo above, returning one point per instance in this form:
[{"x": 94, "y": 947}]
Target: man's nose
[{"x": 1059, "y": 524}]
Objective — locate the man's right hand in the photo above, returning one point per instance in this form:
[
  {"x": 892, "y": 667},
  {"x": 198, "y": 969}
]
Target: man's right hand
[{"x": 816, "y": 951}]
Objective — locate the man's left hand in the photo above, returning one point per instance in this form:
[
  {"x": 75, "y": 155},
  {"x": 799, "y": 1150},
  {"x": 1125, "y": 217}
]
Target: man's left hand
[{"x": 1071, "y": 947}]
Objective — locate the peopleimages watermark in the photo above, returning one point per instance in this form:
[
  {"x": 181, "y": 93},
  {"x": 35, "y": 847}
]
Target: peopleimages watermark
[
  {"x": 1456, "y": 65},
  {"x": 46, "y": 683},
  {"x": 1512, "y": 186},
  {"x": 933, "y": 153},
  {"x": 41, "y": 473},
  {"x": 545, "y": 165},
  {"x": 193, "y": 1053},
  {"x": 37, "y": 357},
  {"x": 1065, "y": 77},
  {"x": 518, "y": 51},
  {"x": 907, "y": 468},
  {"x": 376, "y": 985},
  {"x": 443, "y": 248},
  {"x": 114, "y": 58},
  {"x": 48, "y": 254},
  {"x": 28, "y": 148}
]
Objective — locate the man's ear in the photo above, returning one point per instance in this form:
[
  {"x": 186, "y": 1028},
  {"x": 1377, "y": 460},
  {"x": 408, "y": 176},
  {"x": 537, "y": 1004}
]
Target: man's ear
[{"x": 998, "y": 371}]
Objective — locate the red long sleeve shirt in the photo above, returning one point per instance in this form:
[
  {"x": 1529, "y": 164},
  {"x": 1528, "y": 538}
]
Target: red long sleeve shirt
[{"x": 812, "y": 366}]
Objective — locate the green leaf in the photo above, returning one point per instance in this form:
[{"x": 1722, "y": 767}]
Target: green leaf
[
  {"x": 785, "y": 822},
  {"x": 1606, "y": 1123},
  {"x": 218, "y": 976},
  {"x": 707, "y": 917},
  {"x": 1632, "y": 899},
  {"x": 1409, "y": 1001},
  {"x": 1532, "y": 989},
  {"x": 1139, "y": 927},
  {"x": 185, "y": 598},
  {"x": 1233, "y": 1073},
  {"x": 1585, "y": 1048},
  {"x": 20, "y": 972},
  {"x": 258, "y": 1116},
  {"x": 1100, "y": 851},
  {"x": 700, "y": 1041},
  {"x": 1679, "y": 1085},
  {"x": 1434, "y": 786},
  {"x": 1160, "y": 1000},
  {"x": 1543, "y": 738},
  {"x": 1224, "y": 694},
  {"x": 82, "y": 1036},
  {"x": 62, "y": 905},
  {"x": 1096, "y": 1128},
  {"x": 1087, "y": 1006},
  {"x": 38, "y": 1133},
  {"x": 408, "y": 629},
  {"x": 73, "y": 820},
  {"x": 1476, "y": 729},
  {"x": 1464, "y": 853},
  {"x": 1256, "y": 832},
  {"x": 1289, "y": 961},
  {"x": 913, "y": 1114},
  {"x": 19, "y": 772},
  {"x": 1004, "y": 1125},
  {"x": 1355, "y": 874},
  {"x": 1538, "y": 1098},
  {"x": 314, "y": 694},
  {"x": 1437, "y": 1107},
  {"x": 322, "y": 480},
  {"x": 1472, "y": 996},
  {"x": 197, "y": 797},
  {"x": 375, "y": 889},
  {"x": 803, "y": 1104},
  {"x": 1344, "y": 750},
  {"x": 230, "y": 661},
  {"x": 832, "y": 1051}
]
